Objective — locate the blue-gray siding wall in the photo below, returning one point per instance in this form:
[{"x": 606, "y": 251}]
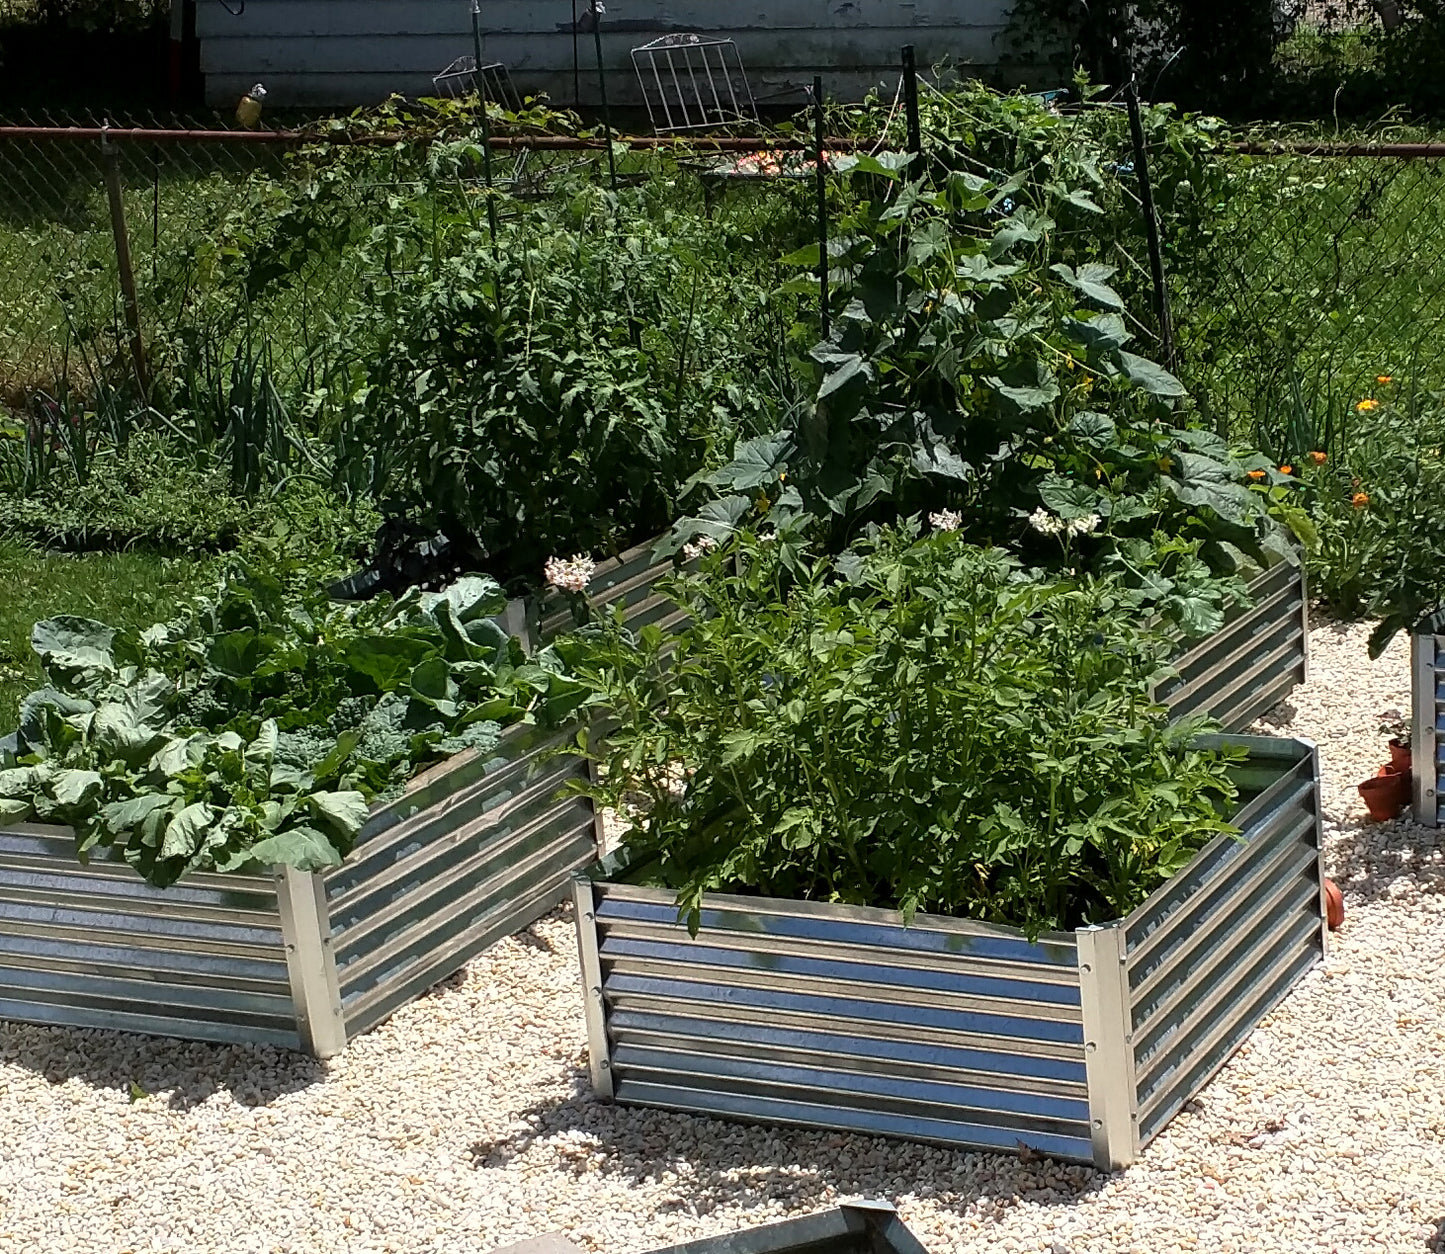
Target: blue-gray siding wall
[{"x": 354, "y": 52}]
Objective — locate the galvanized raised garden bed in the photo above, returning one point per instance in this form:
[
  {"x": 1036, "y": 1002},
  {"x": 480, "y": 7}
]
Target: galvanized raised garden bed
[
  {"x": 1253, "y": 661},
  {"x": 478, "y": 847},
  {"x": 1427, "y": 671},
  {"x": 1079, "y": 1045}
]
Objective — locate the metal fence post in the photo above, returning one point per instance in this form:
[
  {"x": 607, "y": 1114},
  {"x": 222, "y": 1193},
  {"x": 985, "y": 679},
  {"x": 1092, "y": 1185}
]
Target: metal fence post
[
  {"x": 596, "y": 10},
  {"x": 1108, "y": 1044},
  {"x": 1151, "y": 226},
  {"x": 910, "y": 101},
  {"x": 311, "y": 961},
  {"x": 818, "y": 122},
  {"x": 110, "y": 162},
  {"x": 584, "y": 896},
  {"x": 486, "y": 124}
]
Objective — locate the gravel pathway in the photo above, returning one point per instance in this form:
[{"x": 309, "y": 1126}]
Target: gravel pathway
[{"x": 465, "y": 1123}]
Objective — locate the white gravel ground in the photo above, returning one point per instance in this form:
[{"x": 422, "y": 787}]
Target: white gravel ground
[{"x": 466, "y": 1122}]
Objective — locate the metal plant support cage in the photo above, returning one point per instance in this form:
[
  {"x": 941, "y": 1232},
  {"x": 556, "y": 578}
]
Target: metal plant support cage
[
  {"x": 689, "y": 85},
  {"x": 462, "y": 78},
  {"x": 1080, "y": 1045}
]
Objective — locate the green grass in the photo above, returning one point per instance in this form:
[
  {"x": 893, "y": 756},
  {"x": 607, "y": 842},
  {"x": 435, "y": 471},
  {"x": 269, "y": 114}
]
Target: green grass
[{"x": 121, "y": 589}]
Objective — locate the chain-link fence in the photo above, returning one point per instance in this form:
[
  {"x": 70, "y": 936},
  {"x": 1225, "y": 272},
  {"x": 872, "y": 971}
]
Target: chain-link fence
[
  {"x": 1297, "y": 277},
  {"x": 1319, "y": 276},
  {"x": 238, "y": 240},
  {"x": 62, "y": 316}
]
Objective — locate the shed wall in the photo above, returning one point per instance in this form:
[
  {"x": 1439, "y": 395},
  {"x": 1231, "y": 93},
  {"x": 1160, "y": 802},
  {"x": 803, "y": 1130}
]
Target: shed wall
[{"x": 354, "y": 52}]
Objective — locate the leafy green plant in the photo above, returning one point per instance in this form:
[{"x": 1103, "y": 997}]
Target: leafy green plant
[
  {"x": 971, "y": 374},
  {"x": 553, "y": 395},
  {"x": 129, "y": 589},
  {"x": 919, "y": 724},
  {"x": 255, "y": 728},
  {"x": 153, "y": 493},
  {"x": 1377, "y": 497}
]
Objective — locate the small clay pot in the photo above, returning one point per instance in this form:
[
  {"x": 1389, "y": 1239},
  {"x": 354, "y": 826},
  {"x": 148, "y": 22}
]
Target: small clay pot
[
  {"x": 1334, "y": 905},
  {"x": 1400, "y": 757},
  {"x": 1385, "y": 795}
]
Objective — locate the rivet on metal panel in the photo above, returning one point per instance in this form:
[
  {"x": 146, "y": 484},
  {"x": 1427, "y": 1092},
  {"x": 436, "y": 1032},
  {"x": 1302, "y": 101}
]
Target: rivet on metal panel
[
  {"x": 1085, "y": 968},
  {"x": 1090, "y": 1047}
]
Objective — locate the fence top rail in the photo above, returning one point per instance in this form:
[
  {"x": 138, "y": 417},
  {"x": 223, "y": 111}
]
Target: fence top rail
[
  {"x": 581, "y": 143},
  {"x": 568, "y": 143},
  {"x": 1305, "y": 149}
]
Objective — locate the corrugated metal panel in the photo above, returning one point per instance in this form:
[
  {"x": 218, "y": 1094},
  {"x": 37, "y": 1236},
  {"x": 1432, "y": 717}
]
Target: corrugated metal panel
[
  {"x": 350, "y": 52},
  {"x": 626, "y": 580},
  {"x": 471, "y": 854},
  {"x": 96, "y": 946},
  {"x": 1218, "y": 946},
  {"x": 838, "y": 1017},
  {"x": 1427, "y": 731},
  {"x": 1253, "y": 661}
]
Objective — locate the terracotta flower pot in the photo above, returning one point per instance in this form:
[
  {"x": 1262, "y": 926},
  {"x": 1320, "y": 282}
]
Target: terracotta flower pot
[
  {"x": 1400, "y": 756},
  {"x": 1334, "y": 905},
  {"x": 1385, "y": 795}
]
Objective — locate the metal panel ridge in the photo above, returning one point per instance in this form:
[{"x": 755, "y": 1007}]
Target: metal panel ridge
[
  {"x": 1210, "y": 959},
  {"x": 519, "y": 746},
  {"x": 1054, "y": 947},
  {"x": 1291, "y": 767}
]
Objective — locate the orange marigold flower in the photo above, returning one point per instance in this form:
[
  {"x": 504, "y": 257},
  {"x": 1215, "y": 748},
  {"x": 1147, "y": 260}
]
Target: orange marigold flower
[
  {"x": 1319, "y": 458},
  {"x": 1384, "y": 378},
  {"x": 1286, "y": 470},
  {"x": 1256, "y": 474},
  {"x": 1360, "y": 500},
  {"x": 1366, "y": 405}
]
